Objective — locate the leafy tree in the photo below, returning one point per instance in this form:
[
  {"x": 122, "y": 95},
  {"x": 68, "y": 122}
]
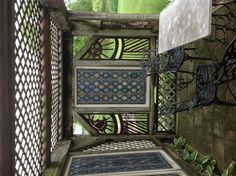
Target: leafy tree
[{"x": 80, "y": 5}]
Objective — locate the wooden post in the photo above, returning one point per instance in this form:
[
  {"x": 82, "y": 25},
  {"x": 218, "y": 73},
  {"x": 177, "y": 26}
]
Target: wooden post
[
  {"x": 61, "y": 87},
  {"x": 58, "y": 12},
  {"x": 7, "y": 89},
  {"x": 67, "y": 84},
  {"x": 47, "y": 88},
  {"x": 153, "y": 78}
]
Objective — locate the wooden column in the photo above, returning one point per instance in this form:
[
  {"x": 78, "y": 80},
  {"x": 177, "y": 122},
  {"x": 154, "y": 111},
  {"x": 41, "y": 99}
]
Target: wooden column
[
  {"x": 47, "y": 87},
  {"x": 61, "y": 87},
  {"x": 7, "y": 90},
  {"x": 67, "y": 84},
  {"x": 152, "y": 115},
  {"x": 58, "y": 12}
]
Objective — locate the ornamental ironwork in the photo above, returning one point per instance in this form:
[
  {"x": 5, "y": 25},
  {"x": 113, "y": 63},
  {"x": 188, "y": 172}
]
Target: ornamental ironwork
[
  {"x": 117, "y": 48},
  {"x": 209, "y": 77},
  {"x": 224, "y": 22},
  {"x": 118, "y": 123}
]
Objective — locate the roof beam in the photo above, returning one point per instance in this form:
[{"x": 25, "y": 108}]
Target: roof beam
[
  {"x": 77, "y": 16},
  {"x": 114, "y": 32},
  {"x": 50, "y": 3}
]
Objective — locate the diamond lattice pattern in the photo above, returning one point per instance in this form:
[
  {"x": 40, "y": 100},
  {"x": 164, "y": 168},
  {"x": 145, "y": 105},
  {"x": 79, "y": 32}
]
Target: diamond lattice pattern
[
  {"x": 166, "y": 102},
  {"x": 28, "y": 88},
  {"x": 56, "y": 81}
]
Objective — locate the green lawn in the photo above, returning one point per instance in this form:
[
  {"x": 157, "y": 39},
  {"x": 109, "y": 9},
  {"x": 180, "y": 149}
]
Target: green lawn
[{"x": 141, "y": 6}]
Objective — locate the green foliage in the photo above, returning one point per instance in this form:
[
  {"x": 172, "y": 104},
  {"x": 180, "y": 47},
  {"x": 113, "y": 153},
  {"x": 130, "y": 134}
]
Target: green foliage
[
  {"x": 189, "y": 156},
  {"x": 186, "y": 155},
  {"x": 109, "y": 5},
  {"x": 229, "y": 170},
  {"x": 81, "y": 5},
  {"x": 141, "y": 6},
  {"x": 209, "y": 171},
  {"x": 167, "y": 77},
  {"x": 203, "y": 159},
  {"x": 97, "y": 5},
  {"x": 204, "y": 164},
  {"x": 192, "y": 156},
  {"x": 78, "y": 44},
  {"x": 179, "y": 143},
  {"x": 93, "y": 5}
]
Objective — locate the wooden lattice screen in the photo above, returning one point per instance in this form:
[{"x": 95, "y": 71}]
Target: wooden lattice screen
[
  {"x": 166, "y": 99},
  {"x": 29, "y": 138},
  {"x": 56, "y": 81},
  {"x": 38, "y": 84}
]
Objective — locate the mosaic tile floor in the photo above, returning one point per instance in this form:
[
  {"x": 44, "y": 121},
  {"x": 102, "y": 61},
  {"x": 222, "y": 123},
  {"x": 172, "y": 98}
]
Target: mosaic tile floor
[{"x": 118, "y": 163}]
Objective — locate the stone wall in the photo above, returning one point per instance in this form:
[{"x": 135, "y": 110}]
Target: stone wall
[{"x": 211, "y": 129}]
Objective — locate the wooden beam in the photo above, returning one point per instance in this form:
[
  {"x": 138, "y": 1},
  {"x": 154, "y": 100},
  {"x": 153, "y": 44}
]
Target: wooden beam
[
  {"x": 7, "y": 89},
  {"x": 82, "y": 142},
  {"x": 76, "y": 15},
  {"x": 112, "y": 109},
  {"x": 62, "y": 21},
  {"x": 59, "y": 156},
  {"x": 81, "y": 151},
  {"x": 86, "y": 24},
  {"x": 50, "y": 3},
  {"x": 84, "y": 124},
  {"x": 114, "y": 32},
  {"x": 59, "y": 12},
  {"x": 107, "y": 63}
]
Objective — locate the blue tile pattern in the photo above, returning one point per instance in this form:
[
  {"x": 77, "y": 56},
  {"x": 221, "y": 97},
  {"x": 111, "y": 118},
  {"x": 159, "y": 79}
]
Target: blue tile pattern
[
  {"x": 110, "y": 86},
  {"x": 117, "y": 163}
]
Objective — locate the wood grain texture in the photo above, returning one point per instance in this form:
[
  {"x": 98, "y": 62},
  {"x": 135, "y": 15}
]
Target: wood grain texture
[{"x": 7, "y": 89}]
